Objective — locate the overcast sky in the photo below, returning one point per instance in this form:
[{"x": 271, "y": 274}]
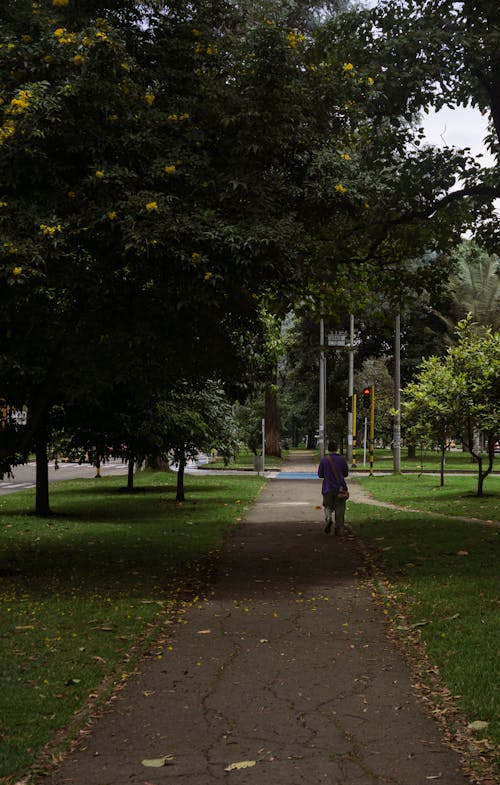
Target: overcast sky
[{"x": 458, "y": 127}]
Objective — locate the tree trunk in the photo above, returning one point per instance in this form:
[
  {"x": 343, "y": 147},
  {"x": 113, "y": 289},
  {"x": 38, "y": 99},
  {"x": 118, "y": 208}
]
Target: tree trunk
[
  {"x": 480, "y": 475},
  {"x": 441, "y": 467},
  {"x": 42, "y": 506},
  {"x": 272, "y": 418},
  {"x": 130, "y": 474},
  {"x": 180, "y": 479},
  {"x": 412, "y": 451}
]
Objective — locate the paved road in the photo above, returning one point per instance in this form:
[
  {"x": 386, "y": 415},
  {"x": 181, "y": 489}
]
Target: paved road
[
  {"x": 286, "y": 666},
  {"x": 24, "y": 476}
]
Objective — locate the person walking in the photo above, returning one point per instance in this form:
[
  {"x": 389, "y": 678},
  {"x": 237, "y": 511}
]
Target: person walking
[{"x": 333, "y": 469}]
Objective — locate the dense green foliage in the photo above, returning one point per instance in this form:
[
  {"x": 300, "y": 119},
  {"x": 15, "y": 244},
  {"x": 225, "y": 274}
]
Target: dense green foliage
[{"x": 458, "y": 395}]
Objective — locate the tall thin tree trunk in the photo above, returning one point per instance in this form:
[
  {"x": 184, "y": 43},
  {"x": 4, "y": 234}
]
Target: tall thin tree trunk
[
  {"x": 480, "y": 475},
  {"x": 180, "y": 479},
  {"x": 442, "y": 462},
  {"x": 42, "y": 506},
  {"x": 272, "y": 418},
  {"x": 130, "y": 474}
]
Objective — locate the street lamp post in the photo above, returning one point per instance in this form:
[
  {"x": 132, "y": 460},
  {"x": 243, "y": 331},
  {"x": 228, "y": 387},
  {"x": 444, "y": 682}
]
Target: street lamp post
[
  {"x": 350, "y": 392},
  {"x": 396, "y": 433},
  {"x": 322, "y": 379}
]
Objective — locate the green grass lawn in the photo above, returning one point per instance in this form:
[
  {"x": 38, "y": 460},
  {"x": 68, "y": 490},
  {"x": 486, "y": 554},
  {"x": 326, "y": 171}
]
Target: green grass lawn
[
  {"x": 81, "y": 589},
  {"x": 456, "y": 497},
  {"x": 443, "y": 574}
]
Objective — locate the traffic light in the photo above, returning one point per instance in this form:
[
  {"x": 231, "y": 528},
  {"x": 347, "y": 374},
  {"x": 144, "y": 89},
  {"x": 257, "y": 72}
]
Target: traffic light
[{"x": 367, "y": 397}]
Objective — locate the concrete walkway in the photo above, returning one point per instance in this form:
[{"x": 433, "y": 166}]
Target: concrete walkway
[{"x": 285, "y": 668}]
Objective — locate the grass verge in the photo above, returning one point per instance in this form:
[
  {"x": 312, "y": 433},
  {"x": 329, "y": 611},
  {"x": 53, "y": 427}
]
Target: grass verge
[
  {"x": 457, "y": 496},
  {"x": 442, "y": 584},
  {"x": 81, "y": 589}
]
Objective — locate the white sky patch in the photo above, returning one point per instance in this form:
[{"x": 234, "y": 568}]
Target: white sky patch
[{"x": 458, "y": 127}]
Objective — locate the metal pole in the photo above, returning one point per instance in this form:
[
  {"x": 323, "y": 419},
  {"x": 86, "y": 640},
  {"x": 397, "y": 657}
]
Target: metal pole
[
  {"x": 263, "y": 445},
  {"x": 396, "y": 433},
  {"x": 350, "y": 391},
  {"x": 372, "y": 427},
  {"x": 354, "y": 429},
  {"x": 322, "y": 375},
  {"x": 364, "y": 442}
]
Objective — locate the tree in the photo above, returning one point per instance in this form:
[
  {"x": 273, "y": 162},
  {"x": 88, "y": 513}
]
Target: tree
[
  {"x": 475, "y": 362},
  {"x": 459, "y": 393},
  {"x": 195, "y": 420},
  {"x": 166, "y": 171},
  {"x": 474, "y": 287},
  {"x": 430, "y": 407},
  {"x": 443, "y": 53},
  {"x": 148, "y": 215}
]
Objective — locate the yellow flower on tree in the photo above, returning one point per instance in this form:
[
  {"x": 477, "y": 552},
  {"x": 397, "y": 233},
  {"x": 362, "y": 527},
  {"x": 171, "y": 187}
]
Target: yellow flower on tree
[
  {"x": 112, "y": 215},
  {"x": 77, "y": 59},
  {"x": 348, "y": 69},
  {"x": 99, "y": 174},
  {"x": 170, "y": 169},
  {"x": 208, "y": 275},
  {"x": 50, "y": 231},
  {"x": 60, "y": 3},
  {"x": 19, "y": 104},
  {"x": 294, "y": 39},
  {"x": 17, "y": 271},
  {"x": 340, "y": 188},
  {"x": 149, "y": 98},
  {"x": 152, "y": 206}
]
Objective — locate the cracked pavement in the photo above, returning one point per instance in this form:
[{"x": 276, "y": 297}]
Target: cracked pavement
[{"x": 286, "y": 663}]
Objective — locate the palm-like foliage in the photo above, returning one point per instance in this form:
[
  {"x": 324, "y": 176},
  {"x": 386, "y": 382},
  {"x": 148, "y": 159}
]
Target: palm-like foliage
[{"x": 474, "y": 288}]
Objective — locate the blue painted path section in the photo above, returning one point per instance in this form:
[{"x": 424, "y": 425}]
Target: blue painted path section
[{"x": 296, "y": 476}]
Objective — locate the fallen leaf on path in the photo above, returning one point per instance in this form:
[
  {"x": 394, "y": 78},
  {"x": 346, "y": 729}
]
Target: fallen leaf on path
[
  {"x": 462, "y": 553},
  {"x": 157, "y": 763},
  {"x": 204, "y": 632},
  {"x": 243, "y": 764},
  {"x": 434, "y": 776},
  {"x": 478, "y": 725}
]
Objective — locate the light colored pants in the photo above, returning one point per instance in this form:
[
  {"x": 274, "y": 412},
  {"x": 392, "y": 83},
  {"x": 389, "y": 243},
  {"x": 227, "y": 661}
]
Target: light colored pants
[{"x": 334, "y": 506}]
